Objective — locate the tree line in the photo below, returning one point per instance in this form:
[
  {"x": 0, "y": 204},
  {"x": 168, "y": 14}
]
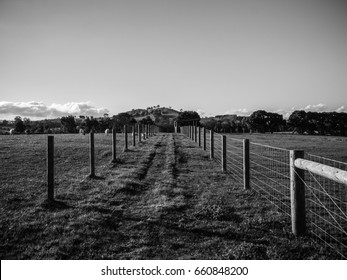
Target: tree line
[
  {"x": 261, "y": 121},
  {"x": 71, "y": 124}
]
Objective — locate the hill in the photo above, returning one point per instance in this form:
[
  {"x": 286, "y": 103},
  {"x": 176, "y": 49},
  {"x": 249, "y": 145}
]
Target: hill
[{"x": 161, "y": 116}]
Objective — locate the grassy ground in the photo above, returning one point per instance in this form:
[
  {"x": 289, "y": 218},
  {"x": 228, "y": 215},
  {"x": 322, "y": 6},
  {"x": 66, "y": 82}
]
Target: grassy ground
[
  {"x": 332, "y": 147},
  {"x": 163, "y": 199}
]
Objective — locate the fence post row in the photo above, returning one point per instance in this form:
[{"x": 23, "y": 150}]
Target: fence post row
[
  {"x": 50, "y": 167},
  {"x": 297, "y": 194},
  {"x": 246, "y": 166},
  {"x": 92, "y": 156}
]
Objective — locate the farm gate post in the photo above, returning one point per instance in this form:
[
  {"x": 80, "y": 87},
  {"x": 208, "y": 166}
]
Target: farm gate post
[
  {"x": 246, "y": 167},
  {"x": 224, "y": 153},
  {"x": 50, "y": 167},
  {"x": 211, "y": 144},
  {"x": 297, "y": 194},
  {"x": 91, "y": 154},
  {"x": 114, "y": 145}
]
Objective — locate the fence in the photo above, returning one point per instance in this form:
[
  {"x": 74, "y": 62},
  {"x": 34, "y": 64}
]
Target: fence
[
  {"x": 143, "y": 131},
  {"x": 310, "y": 190}
]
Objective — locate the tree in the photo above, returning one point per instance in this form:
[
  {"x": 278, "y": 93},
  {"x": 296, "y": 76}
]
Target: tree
[
  {"x": 208, "y": 123},
  {"x": 68, "y": 123},
  {"x": 258, "y": 121},
  {"x": 105, "y": 123},
  {"x": 89, "y": 124},
  {"x": 297, "y": 121},
  {"x": 274, "y": 122},
  {"x": 263, "y": 121},
  {"x": 244, "y": 124},
  {"x": 19, "y": 124},
  {"x": 147, "y": 120},
  {"x": 188, "y": 118},
  {"x": 5, "y": 123},
  {"x": 27, "y": 123},
  {"x": 122, "y": 119}
]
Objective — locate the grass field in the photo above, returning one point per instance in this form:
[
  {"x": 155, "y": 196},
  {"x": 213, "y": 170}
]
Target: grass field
[
  {"x": 332, "y": 147},
  {"x": 163, "y": 199}
]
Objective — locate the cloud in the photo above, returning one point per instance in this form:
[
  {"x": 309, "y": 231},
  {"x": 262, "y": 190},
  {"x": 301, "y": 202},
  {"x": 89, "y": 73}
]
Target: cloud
[
  {"x": 312, "y": 108},
  {"x": 239, "y": 112},
  {"x": 203, "y": 114},
  {"x": 341, "y": 109},
  {"x": 36, "y": 110},
  {"x": 316, "y": 108}
]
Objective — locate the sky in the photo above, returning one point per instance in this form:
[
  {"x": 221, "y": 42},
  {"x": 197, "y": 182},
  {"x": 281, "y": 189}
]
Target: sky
[{"x": 92, "y": 57}]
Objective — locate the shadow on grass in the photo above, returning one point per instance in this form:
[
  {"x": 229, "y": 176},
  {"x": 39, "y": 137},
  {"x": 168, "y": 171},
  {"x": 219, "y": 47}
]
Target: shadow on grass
[
  {"x": 95, "y": 177},
  {"x": 54, "y": 205},
  {"x": 117, "y": 161}
]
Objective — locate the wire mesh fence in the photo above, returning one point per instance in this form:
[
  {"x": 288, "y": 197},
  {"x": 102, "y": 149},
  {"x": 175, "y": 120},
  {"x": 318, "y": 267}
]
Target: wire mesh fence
[
  {"x": 218, "y": 147},
  {"x": 235, "y": 158},
  {"x": 270, "y": 175},
  {"x": 326, "y": 206},
  {"x": 326, "y": 199},
  {"x": 208, "y": 140}
]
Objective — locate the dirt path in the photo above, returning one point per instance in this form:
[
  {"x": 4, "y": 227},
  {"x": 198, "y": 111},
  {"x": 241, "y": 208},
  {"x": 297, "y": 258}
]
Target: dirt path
[{"x": 160, "y": 195}]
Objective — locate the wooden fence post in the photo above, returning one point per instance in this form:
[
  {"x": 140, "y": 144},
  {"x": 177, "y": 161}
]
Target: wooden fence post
[
  {"x": 211, "y": 144},
  {"x": 92, "y": 155},
  {"x": 134, "y": 136},
  {"x": 50, "y": 167},
  {"x": 199, "y": 136},
  {"x": 125, "y": 138},
  {"x": 144, "y": 131},
  {"x": 246, "y": 166},
  {"x": 204, "y": 137},
  {"x": 195, "y": 133},
  {"x": 139, "y": 132},
  {"x": 114, "y": 145},
  {"x": 297, "y": 194},
  {"x": 224, "y": 153},
  {"x": 147, "y": 131}
]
